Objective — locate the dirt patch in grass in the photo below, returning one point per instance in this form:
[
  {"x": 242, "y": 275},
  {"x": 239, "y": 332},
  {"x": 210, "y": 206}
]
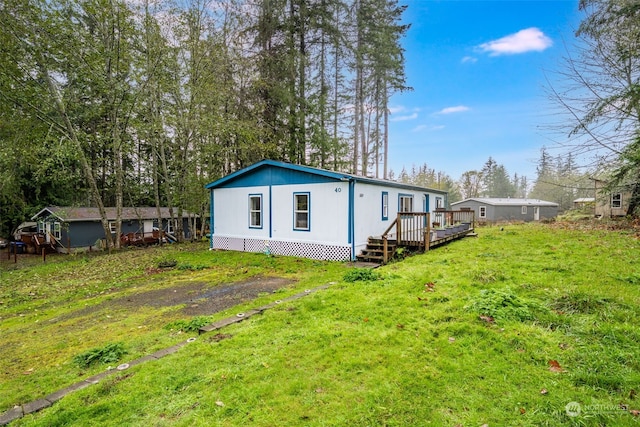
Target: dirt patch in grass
[
  {"x": 199, "y": 298},
  {"x": 203, "y": 299}
]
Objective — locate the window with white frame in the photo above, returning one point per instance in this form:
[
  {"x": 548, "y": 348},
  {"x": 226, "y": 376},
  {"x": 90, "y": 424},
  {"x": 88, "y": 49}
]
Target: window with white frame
[
  {"x": 255, "y": 210},
  {"x": 385, "y": 205},
  {"x": 524, "y": 210},
  {"x": 439, "y": 203},
  {"x": 112, "y": 227},
  {"x": 482, "y": 212},
  {"x": 170, "y": 226},
  {"x": 57, "y": 230},
  {"x": 405, "y": 203},
  {"x": 616, "y": 200},
  {"x": 301, "y": 212}
]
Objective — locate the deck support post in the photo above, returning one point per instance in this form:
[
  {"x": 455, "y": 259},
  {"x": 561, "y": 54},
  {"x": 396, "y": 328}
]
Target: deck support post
[{"x": 385, "y": 250}]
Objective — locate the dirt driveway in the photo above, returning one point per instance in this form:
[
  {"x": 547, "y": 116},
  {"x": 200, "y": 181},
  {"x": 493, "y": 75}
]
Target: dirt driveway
[{"x": 204, "y": 299}]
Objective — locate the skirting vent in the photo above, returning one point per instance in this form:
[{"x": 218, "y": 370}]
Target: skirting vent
[{"x": 277, "y": 247}]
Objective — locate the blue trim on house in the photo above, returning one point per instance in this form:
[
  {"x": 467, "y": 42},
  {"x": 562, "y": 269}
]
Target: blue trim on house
[
  {"x": 426, "y": 202},
  {"x": 255, "y": 227},
  {"x": 351, "y": 239},
  {"x": 385, "y": 215},
  {"x": 270, "y": 214},
  {"x": 272, "y": 172},
  {"x": 211, "y": 219},
  {"x": 308, "y": 194}
]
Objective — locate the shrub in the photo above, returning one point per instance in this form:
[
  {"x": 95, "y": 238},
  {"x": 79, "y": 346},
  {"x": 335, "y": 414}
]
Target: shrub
[
  {"x": 110, "y": 353},
  {"x": 361, "y": 274},
  {"x": 188, "y": 325},
  {"x": 503, "y": 305}
]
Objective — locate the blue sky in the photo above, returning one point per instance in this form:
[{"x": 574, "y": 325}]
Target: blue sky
[{"x": 478, "y": 72}]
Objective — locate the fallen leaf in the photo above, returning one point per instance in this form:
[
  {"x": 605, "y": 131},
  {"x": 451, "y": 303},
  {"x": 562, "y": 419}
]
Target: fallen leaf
[
  {"x": 28, "y": 372},
  {"x": 554, "y": 366},
  {"x": 634, "y": 412},
  {"x": 366, "y": 319},
  {"x": 632, "y": 394},
  {"x": 563, "y": 346},
  {"x": 544, "y": 391},
  {"x": 487, "y": 319},
  {"x": 320, "y": 390},
  {"x": 219, "y": 403},
  {"x": 400, "y": 326},
  {"x": 430, "y": 285},
  {"x": 522, "y": 411},
  {"x": 451, "y": 339}
]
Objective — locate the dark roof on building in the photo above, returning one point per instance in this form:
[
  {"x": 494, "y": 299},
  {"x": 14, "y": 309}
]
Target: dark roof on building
[{"x": 76, "y": 214}]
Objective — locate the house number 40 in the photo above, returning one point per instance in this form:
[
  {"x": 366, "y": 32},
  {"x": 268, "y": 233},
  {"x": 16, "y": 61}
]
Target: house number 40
[{"x": 338, "y": 189}]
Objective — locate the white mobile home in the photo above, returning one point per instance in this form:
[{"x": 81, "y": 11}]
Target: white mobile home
[{"x": 302, "y": 211}]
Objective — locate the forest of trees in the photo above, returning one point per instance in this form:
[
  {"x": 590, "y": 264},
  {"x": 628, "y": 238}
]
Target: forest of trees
[{"x": 120, "y": 103}]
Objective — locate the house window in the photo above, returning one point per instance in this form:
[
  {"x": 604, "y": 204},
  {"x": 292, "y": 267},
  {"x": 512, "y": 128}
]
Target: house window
[
  {"x": 41, "y": 227},
  {"x": 170, "y": 226},
  {"x": 616, "y": 200},
  {"x": 112, "y": 227},
  {"x": 301, "y": 220},
  {"x": 524, "y": 210},
  {"x": 405, "y": 203},
  {"x": 439, "y": 203},
  {"x": 385, "y": 205},
  {"x": 255, "y": 210},
  {"x": 57, "y": 230},
  {"x": 483, "y": 212}
]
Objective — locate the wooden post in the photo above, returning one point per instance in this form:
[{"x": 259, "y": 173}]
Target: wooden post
[
  {"x": 427, "y": 237},
  {"x": 15, "y": 254},
  {"x": 44, "y": 254},
  {"x": 385, "y": 250},
  {"x": 399, "y": 230}
]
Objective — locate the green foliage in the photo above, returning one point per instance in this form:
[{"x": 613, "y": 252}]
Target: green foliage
[
  {"x": 110, "y": 353},
  {"x": 167, "y": 263},
  {"x": 361, "y": 275},
  {"x": 192, "y": 325},
  {"x": 502, "y": 305}
]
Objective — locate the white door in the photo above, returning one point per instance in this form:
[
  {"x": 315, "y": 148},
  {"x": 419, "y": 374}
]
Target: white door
[
  {"x": 147, "y": 227},
  {"x": 536, "y": 213}
]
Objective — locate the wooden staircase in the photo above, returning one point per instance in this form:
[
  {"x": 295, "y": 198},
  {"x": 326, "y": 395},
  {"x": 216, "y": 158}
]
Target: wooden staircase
[{"x": 374, "y": 252}]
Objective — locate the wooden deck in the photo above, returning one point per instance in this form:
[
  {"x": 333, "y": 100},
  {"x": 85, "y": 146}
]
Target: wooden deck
[{"x": 416, "y": 232}]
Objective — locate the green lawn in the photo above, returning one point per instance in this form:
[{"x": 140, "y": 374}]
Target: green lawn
[{"x": 505, "y": 329}]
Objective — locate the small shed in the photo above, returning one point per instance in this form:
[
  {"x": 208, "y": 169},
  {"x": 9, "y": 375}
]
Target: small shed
[
  {"x": 288, "y": 209},
  {"x": 80, "y": 228},
  {"x": 611, "y": 203},
  {"x": 491, "y": 210}
]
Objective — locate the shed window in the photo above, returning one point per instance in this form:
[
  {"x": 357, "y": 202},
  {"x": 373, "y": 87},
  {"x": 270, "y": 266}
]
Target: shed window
[
  {"x": 385, "y": 205},
  {"x": 482, "y": 212},
  {"x": 301, "y": 212},
  {"x": 405, "y": 203},
  {"x": 524, "y": 210},
  {"x": 616, "y": 200},
  {"x": 57, "y": 230},
  {"x": 439, "y": 203},
  {"x": 255, "y": 211},
  {"x": 112, "y": 227}
]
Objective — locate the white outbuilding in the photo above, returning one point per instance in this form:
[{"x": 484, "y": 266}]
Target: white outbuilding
[{"x": 287, "y": 209}]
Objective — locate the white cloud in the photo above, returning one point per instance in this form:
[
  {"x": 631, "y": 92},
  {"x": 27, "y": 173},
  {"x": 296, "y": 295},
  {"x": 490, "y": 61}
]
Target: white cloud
[
  {"x": 469, "y": 59},
  {"x": 428, "y": 128},
  {"x": 405, "y": 118},
  {"x": 456, "y": 109},
  {"x": 396, "y": 109},
  {"x": 530, "y": 39}
]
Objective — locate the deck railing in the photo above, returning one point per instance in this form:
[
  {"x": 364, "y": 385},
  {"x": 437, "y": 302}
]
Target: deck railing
[{"x": 413, "y": 229}]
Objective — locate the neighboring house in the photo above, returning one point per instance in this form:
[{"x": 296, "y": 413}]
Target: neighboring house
[
  {"x": 80, "y": 228},
  {"x": 610, "y": 204},
  {"x": 287, "y": 209},
  {"x": 507, "y": 209}
]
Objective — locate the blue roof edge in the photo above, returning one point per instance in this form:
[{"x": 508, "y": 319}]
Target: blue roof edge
[{"x": 322, "y": 172}]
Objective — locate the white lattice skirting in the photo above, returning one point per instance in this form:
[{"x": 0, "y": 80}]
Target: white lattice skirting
[{"x": 276, "y": 247}]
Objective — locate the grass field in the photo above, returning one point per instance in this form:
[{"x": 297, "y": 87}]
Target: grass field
[{"x": 528, "y": 325}]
